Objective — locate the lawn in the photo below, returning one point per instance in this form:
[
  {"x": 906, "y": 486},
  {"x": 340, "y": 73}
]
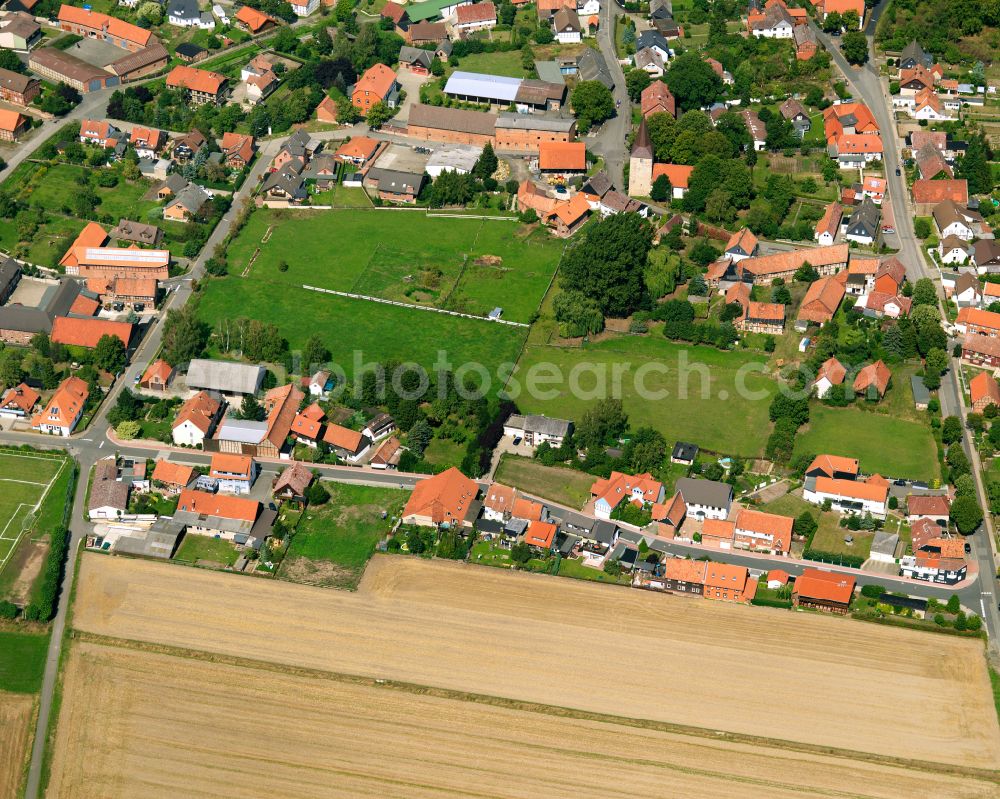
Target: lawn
[
  {"x": 716, "y": 399},
  {"x": 443, "y": 453},
  {"x": 888, "y": 445},
  {"x": 468, "y": 265},
  {"x": 832, "y": 540},
  {"x": 24, "y": 480},
  {"x": 22, "y": 661},
  {"x": 574, "y": 568},
  {"x": 507, "y": 64},
  {"x": 202, "y": 547},
  {"x": 358, "y": 329},
  {"x": 343, "y": 532},
  {"x": 566, "y": 486},
  {"x": 341, "y": 196}
]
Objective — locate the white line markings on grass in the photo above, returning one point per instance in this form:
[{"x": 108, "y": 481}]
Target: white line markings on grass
[{"x": 34, "y": 510}]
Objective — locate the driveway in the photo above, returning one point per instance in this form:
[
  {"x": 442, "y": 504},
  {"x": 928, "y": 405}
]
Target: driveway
[{"x": 411, "y": 84}]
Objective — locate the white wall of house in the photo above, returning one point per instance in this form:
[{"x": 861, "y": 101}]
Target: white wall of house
[
  {"x": 569, "y": 37},
  {"x": 706, "y": 511},
  {"x": 843, "y": 504},
  {"x": 187, "y": 434}
]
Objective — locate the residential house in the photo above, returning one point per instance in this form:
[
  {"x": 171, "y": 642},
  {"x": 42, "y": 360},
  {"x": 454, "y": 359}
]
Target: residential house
[
  {"x": 806, "y": 44},
  {"x": 986, "y": 256},
  {"x": 742, "y": 244},
  {"x": 796, "y": 113},
  {"x": 983, "y": 392},
  {"x": 254, "y": 21},
  {"x": 394, "y": 185},
  {"x": 148, "y": 142},
  {"x": 568, "y": 217},
  {"x": 952, "y": 219},
  {"x": 822, "y": 299},
  {"x": 540, "y": 535},
  {"x": 609, "y": 493},
  {"x": 726, "y": 582},
  {"x": 873, "y": 380},
  {"x": 307, "y": 426},
  {"x": 238, "y": 149},
  {"x": 86, "y": 332},
  {"x": 237, "y": 519},
  {"x": 287, "y": 183},
  {"x": 705, "y": 499},
  {"x": 934, "y": 568},
  {"x": 157, "y": 376},
  {"x": 475, "y": 17},
  {"x": 684, "y": 576},
  {"x": 649, "y": 61},
  {"x": 653, "y": 40},
  {"x": 966, "y": 290},
  {"x": 934, "y": 507},
  {"x": 172, "y": 478},
  {"x": 349, "y": 445},
  {"x": 829, "y": 224},
  {"x": 567, "y": 26},
  {"x": 657, "y": 99},
  {"x": 763, "y": 532},
  {"x": 108, "y": 498},
  {"x": 186, "y": 204},
  {"x": 13, "y": 124},
  {"x": 978, "y": 322},
  {"x": 447, "y": 499},
  {"x": 196, "y": 420},
  {"x": 387, "y": 455},
  {"x": 669, "y": 516},
  {"x": 326, "y": 111},
  {"x": 914, "y": 80},
  {"x": 379, "y": 426},
  {"x": 874, "y": 188},
  {"x": 931, "y": 163},
  {"x": 188, "y": 14},
  {"x": 953, "y": 250},
  {"x": 863, "y": 224},
  {"x": 774, "y": 23},
  {"x": 981, "y": 351},
  {"x": 498, "y": 502},
  {"x": 763, "y": 269},
  {"x": 185, "y": 148},
  {"x": 684, "y": 453},
  {"x": 848, "y": 496},
  {"x": 100, "y": 133},
  {"x": 823, "y": 590},
  {"x": 756, "y": 128},
  {"x": 18, "y": 401},
  {"x": 377, "y": 85},
  {"x": 293, "y": 483},
  {"x": 200, "y": 85},
  {"x": 833, "y": 466},
  {"x": 534, "y": 430},
  {"x": 19, "y": 31},
  {"x": 64, "y": 409},
  {"x": 415, "y": 59},
  {"x": 914, "y": 55},
  {"x": 233, "y": 474}
]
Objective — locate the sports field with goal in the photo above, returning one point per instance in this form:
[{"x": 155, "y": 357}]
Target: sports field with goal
[{"x": 25, "y": 480}]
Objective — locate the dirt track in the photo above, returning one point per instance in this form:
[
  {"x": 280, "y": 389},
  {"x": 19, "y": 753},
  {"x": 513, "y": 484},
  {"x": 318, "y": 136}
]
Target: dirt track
[
  {"x": 136, "y": 724},
  {"x": 15, "y": 736},
  {"x": 798, "y": 677}
]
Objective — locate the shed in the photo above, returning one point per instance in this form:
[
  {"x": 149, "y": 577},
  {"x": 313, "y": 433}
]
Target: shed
[{"x": 921, "y": 396}]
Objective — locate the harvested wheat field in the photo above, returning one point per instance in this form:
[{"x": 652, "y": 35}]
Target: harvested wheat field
[
  {"x": 15, "y": 738},
  {"x": 138, "y": 723},
  {"x": 793, "y": 677}
]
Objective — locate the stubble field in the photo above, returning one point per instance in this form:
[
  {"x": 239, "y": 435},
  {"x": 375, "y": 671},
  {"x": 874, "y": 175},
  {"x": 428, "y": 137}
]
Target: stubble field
[
  {"x": 15, "y": 737},
  {"x": 506, "y": 680}
]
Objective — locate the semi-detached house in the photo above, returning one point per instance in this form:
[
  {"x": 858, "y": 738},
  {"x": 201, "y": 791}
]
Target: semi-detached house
[
  {"x": 610, "y": 493},
  {"x": 201, "y": 85},
  {"x": 233, "y": 474},
  {"x": 237, "y": 519},
  {"x": 705, "y": 499},
  {"x": 848, "y": 496},
  {"x": 64, "y": 409}
]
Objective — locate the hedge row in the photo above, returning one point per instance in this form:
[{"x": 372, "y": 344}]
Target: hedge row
[
  {"x": 771, "y": 603},
  {"x": 854, "y": 561}
]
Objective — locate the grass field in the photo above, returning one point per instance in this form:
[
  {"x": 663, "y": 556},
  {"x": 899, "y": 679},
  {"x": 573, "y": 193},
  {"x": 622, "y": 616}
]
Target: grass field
[
  {"x": 891, "y": 446},
  {"x": 372, "y": 332},
  {"x": 706, "y": 407},
  {"x": 368, "y": 692},
  {"x": 468, "y": 265},
  {"x": 22, "y": 661},
  {"x": 202, "y": 547},
  {"x": 333, "y": 542},
  {"x": 565, "y": 486},
  {"x": 25, "y": 480}
]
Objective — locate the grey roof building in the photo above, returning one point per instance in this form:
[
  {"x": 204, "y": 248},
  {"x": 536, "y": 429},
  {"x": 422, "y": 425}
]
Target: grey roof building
[
  {"x": 709, "y": 493},
  {"x": 535, "y": 122},
  {"x": 159, "y": 541},
  {"x": 591, "y": 66},
  {"x": 864, "y": 221},
  {"x": 912, "y": 55},
  {"x": 415, "y": 56},
  {"x": 540, "y": 425},
  {"x": 28, "y": 320},
  {"x": 884, "y": 544},
  {"x": 226, "y": 377},
  {"x": 10, "y": 276}
]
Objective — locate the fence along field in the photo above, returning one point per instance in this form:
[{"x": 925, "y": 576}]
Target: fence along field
[
  {"x": 141, "y": 723},
  {"x": 790, "y": 677}
]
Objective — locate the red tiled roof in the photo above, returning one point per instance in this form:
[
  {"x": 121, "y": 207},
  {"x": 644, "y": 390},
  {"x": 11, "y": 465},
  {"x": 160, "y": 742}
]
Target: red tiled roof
[
  {"x": 540, "y": 534},
  {"x": 984, "y": 386},
  {"x": 378, "y": 79},
  {"x": 172, "y": 473},
  {"x": 84, "y": 306},
  {"x": 855, "y": 489},
  {"x": 65, "y": 404},
  {"x": 834, "y": 371},
  {"x": 677, "y": 174},
  {"x": 92, "y": 235},
  {"x": 874, "y": 374},
  {"x": 935, "y": 191},
  {"x": 656, "y": 98},
  {"x": 10, "y": 120},
  {"x": 755, "y": 521},
  {"x": 359, "y": 148},
  {"x": 978, "y": 318},
  {"x": 822, "y": 300},
  {"x": 825, "y": 586},
  {"x": 198, "y": 80},
  {"x": 254, "y": 19},
  {"x": 87, "y": 332},
  {"x": 229, "y": 464},
  {"x": 927, "y": 505},
  {"x": 568, "y": 155},
  {"x": 445, "y": 497},
  {"x": 21, "y": 396},
  {"x": 475, "y": 12},
  {"x": 221, "y": 505},
  {"x": 199, "y": 410},
  {"x": 342, "y": 437},
  {"x": 833, "y": 464}
]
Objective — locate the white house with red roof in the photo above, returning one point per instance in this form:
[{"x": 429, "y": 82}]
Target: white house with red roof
[{"x": 608, "y": 494}]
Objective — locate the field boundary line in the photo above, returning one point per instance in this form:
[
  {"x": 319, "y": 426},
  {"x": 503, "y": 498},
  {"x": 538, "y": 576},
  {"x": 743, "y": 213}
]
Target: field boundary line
[
  {"x": 398, "y": 304},
  {"x": 537, "y": 707}
]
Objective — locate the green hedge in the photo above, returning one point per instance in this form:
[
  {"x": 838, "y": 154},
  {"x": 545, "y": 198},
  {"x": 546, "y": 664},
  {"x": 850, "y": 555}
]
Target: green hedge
[
  {"x": 854, "y": 561},
  {"x": 771, "y": 603}
]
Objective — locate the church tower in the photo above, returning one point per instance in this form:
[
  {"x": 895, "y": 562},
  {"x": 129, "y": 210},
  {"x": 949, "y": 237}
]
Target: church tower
[{"x": 640, "y": 165}]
